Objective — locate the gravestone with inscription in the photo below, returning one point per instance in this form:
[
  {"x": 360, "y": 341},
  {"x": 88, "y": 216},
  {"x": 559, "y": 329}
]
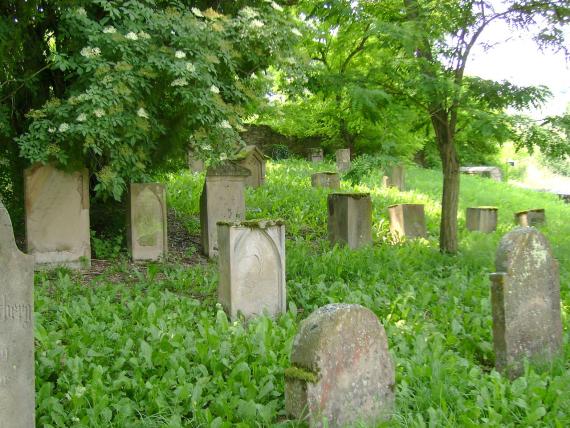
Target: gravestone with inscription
[
  {"x": 147, "y": 222},
  {"x": 325, "y": 179},
  {"x": 395, "y": 177},
  {"x": 525, "y": 299},
  {"x": 17, "y": 385},
  {"x": 316, "y": 154},
  {"x": 535, "y": 217},
  {"x": 252, "y": 159},
  {"x": 407, "y": 220},
  {"x": 482, "y": 219},
  {"x": 252, "y": 267},
  {"x": 57, "y": 216},
  {"x": 350, "y": 219},
  {"x": 343, "y": 160},
  {"x": 222, "y": 199},
  {"x": 341, "y": 370}
]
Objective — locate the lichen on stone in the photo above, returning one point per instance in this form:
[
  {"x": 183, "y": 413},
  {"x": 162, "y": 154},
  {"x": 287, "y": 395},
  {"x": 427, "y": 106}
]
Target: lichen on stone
[{"x": 295, "y": 372}]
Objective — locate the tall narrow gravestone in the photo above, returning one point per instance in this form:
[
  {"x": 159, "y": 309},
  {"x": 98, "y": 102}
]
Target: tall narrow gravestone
[
  {"x": 525, "y": 298},
  {"x": 316, "y": 155},
  {"x": 341, "y": 371},
  {"x": 407, "y": 220},
  {"x": 222, "y": 199},
  {"x": 482, "y": 219},
  {"x": 343, "y": 160},
  {"x": 325, "y": 179},
  {"x": 395, "y": 177},
  {"x": 252, "y": 267},
  {"x": 528, "y": 218},
  {"x": 350, "y": 219},
  {"x": 253, "y": 159},
  {"x": 57, "y": 216},
  {"x": 147, "y": 222},
  {"x": 17, "y": 387}
]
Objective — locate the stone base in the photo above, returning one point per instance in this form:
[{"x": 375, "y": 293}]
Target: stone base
[
  {"x": 350, "y": 219},
  {"x": 407, "y": 220},
  {"x": 395, "y": 177},
  {"x": 325, "y": 179},
  {"x": 528, "y": 218},
  {"x": 482, "y": 219},
  {"x": 343, "y": 160}
]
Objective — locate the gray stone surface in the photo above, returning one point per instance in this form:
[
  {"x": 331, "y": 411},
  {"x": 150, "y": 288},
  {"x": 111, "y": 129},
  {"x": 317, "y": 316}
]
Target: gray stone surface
[
  {"x": 395, "y": 176},
  {"x": 482, "y": 219},
  {"x": 407, "y": 220},
  {"x": 343, "y": 160},
  {"x": 195, "y": 164},
  {"x": 350, "y": 219},
  {"x": 147, "y": 221},
  {"x": 492, "y": 172},
  {"x": 222, "y": 199},
  {"x": 17, "y": 386},
  {"x": 525, "y": 299},
  {"x": 253, "y": 159},
  {"x": 535, "y": 217},
  {"x": 252, "y": 267},
  {"x": 341, "y": 369},
  {"x": 57, "y": 216},
  {"x": 316, "y": 154},
  {"x": 325, "y": 179}
]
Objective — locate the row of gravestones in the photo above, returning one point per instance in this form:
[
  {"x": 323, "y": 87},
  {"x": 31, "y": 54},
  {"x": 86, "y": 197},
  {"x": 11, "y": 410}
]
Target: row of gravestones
[{"x": 340, "y": 366}]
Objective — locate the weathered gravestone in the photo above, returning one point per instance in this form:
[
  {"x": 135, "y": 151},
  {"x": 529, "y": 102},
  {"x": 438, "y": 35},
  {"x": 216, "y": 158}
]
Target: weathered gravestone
[
  {"x": 482, "y": 219},
  {"x": 195, "y": 164},
  {"x": 525, "y": 298},
  {"x": 492, "y": 172},
  {"x": 395, "y": 177},
  {"x": 222, "y": 199},
  {"x": 147, "y": 222},
  {"x": 57, "y": 216},
  {"x": 316, "y": 154},
  {"x": 407, "y": 220},
  {"x": 17, "y": 387},
  {"x": 527, "y": 218},
  {"x": 252, "y": 267},
  {"x": 350, "y": 219},
  {"x": 342, "y": 371},
  {"x": 252, "y": 159},
  {"x": 325, "y": 179},
  {"x": 343, "y": 159}
]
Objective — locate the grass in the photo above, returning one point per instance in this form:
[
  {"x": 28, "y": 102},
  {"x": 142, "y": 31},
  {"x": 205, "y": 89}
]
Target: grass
[{"x": 158, "y": 351}]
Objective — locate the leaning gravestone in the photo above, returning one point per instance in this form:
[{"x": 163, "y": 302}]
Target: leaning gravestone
[
  {"x": 525, "y": 298},
  {"x": 527, "y": 218},
  {"x": 252, "y": 267},
  {"x": 341, "y": 370},
  {"x": 254, "y": 160},
  {"x": 343, "y": 160},
  {"x": 316, "y": 155},
  {"x": 325, "y": 179},
  {"x": 395, "y": 177},
  {"x": 222, "y": 199},
  {"x": 407, "y": 220},
  {"x": 147, "y": 222},
  {"x": 350, "y": 219},
  {"x": 482, "y": 219},
  {"x": 17, "y": 387},
  {"x": 57, "y": 216}
]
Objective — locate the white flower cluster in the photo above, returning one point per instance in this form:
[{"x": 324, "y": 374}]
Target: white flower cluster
[
  {"x": 144, "y": 35},
  {"x": 256, "y": 23},
  {"x": 179, "y": 82},
  {"x": 215, "y": 89},
  {"x": 296, "y": 32},
  {"x": 224, "y": 124},
  {"x": 63, "y": 127},
  {"x": 82, "y": 117},
  {"x": 51, "y": 130},
  {"x": 197, "y": 12},
  {"x": 99, "y": 112},
  {"x": 109, "y": 30},
  {"x": 180, "y": 54},
  {"x": 249, "y": 12},
  {"x": 81, "y": 11},
  {"x": 276, "y": 6},
  {"x": 141, "y": 112},
  {"x": 190, "y": 67},
  {"x": 131, "y": 36},
  {"x": 89, "y": 52}
]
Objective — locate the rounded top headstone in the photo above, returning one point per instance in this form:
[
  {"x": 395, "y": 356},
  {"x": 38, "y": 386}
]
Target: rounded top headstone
[{"x": 523, "y": 249}]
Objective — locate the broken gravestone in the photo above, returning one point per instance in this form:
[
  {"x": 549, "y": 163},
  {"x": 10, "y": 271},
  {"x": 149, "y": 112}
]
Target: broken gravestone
[
  {"x": 528, "y": 218},
  {"x": 341, "y": 370},
  {"x": 57, "y": 216},
  {"x": 252, "y": 267},
  {"x": 350, "y": 219},
  {"x": 407, "y": 220},
  {"x": 325, "y": 179},
  {"x": 222, "y": 199},
  {"x": 316, "y": 154},
  {"x": 17, "y": 386},
  {"x": 252, "y": 159},
  {"x": 147, "y": 222},
  {"x": 482, "y": 219},
  {"x": 343, "y": 160},
  {"x": 395, "y": 177},
  {"x": 525, "y": 299}
]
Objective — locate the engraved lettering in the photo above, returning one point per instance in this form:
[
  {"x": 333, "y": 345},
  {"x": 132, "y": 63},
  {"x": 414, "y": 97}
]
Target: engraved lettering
[{"x": 20, "y": 313}]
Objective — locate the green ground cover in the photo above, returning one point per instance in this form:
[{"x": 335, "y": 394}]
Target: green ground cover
[{"x": 154, "y": 349}]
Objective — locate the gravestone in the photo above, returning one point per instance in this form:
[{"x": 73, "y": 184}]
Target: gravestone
[
  {"x": 316, "y": 154},
  {"x": 195, "y": 164},
  {"x": 341, "y": 369},
  {"x": 350, "y": 219},
  {"x": 325, "y": 179},
  {"x": 222, "y": 199},
  {"x": 492, "y": 172},
  {"x": 525, "y": 299},
  {"x": 407, "y": 220},
  {"x": 528, "y": 218},
  {"x": 252, "y": 159},
  {"x": 17, "y": 385},
  {"x": 563, "y": 195},
  {"x": 252, "y": 267},
  {"x": 343, "y": 160},
  {"x": 57, "y": 216},
  {"x": 147, "y": 222},
  {"x": 482, "y": 219},
  {"x": 395, "y": 177}
]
